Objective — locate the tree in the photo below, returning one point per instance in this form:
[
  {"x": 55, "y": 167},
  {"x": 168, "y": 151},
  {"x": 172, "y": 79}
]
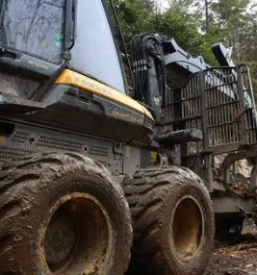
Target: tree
[
  {"x": 234, "y": 24},
  {"x": 196, "y": 25},
  {"x": 134, "y": 16}
]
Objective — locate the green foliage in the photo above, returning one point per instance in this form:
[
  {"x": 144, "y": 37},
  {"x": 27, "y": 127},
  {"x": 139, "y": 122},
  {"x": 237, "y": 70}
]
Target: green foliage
[
  {"x": 174, "y": 24},
  {"x": 253, "y": 70},
  {"x": 134, "y": 16},
  {"x": 138, "y": 16},
  {"x": 196, "y": 28},
  {"x": 236, "y": 26}
]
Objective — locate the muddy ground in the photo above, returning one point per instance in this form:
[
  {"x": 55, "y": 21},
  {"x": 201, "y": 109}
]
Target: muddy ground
[{"x": 238, "y": 256}]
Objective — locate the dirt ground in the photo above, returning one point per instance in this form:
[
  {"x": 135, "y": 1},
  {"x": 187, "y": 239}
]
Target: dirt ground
[{"x": 239, "y": 257}]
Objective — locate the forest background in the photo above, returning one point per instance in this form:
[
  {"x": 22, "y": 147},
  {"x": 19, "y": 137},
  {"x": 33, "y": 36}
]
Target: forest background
[{"x": 196, "y": 25}]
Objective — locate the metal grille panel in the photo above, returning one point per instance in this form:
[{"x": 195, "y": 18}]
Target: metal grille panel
[
  {"x": 220, "y": 103},
  {"x": 222, "y": 110},
  {"x": 99, "y": 151},
  {"x": 9, "y": 153},
  {"x": 51, "y": 142},
  {"x": 20, "y": 137},
  {"x": 26, "y": 140}
]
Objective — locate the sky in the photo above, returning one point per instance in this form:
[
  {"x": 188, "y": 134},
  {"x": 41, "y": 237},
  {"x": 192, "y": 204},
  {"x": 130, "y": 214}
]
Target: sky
[{"x": 164, "y": 4}]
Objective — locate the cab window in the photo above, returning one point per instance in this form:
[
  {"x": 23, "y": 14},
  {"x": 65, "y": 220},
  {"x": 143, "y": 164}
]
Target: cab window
[
  {"x": 34, "y": 27},
  {"x": 94, "y": 52}
]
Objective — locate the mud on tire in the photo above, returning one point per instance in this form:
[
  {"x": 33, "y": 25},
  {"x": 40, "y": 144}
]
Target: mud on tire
[
  {"x": 62, "y": 214},
  {"x": 173, "y": 222}
]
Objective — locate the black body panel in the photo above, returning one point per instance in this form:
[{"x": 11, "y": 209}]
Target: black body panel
[{"x": 91, "y": 114}]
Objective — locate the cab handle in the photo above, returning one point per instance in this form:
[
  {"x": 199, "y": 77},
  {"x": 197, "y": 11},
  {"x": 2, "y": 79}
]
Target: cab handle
[{"x": 70, "y": 25}]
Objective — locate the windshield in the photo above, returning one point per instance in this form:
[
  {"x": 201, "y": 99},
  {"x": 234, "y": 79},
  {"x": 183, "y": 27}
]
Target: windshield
[
  {"x": 95, "y": 53},
  {"x": 34, "y": 27}
]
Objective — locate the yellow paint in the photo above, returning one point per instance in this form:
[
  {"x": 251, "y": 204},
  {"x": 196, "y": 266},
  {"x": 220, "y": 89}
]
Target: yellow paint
[
  {"x": 2, "y": 140},
  {"x": 69, "y": 77},
  {"x": 153, "y": 156},
  {"x": 128, "y": 151}
]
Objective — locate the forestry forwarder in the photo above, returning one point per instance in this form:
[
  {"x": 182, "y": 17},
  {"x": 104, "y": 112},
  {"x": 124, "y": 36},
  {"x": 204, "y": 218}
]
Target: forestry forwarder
[
  {"x": 80, "y": 142},
  {"x": 217, "y": 101}
]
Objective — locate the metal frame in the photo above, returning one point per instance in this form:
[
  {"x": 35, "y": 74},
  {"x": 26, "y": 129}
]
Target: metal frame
[{"x": 219, "y": 102}]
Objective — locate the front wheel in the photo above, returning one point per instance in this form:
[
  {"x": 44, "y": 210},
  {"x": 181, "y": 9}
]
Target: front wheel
[
  {"x": 62, "y": 214},
  {"x": 173, "y": 222}
]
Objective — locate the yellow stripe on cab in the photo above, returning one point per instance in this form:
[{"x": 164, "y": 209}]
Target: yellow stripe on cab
[{"x": 69, "y": 77}]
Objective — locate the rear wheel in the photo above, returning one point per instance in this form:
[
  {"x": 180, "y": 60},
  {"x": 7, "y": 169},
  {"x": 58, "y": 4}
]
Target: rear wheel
[
  {"x": 62, "y": 214},
  {"x": 173, "y": 222}
]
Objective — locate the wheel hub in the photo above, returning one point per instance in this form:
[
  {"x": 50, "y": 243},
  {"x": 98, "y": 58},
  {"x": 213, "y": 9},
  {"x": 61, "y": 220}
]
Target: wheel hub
[
  {"x": 60, "y": 240},
  {"x": 77, "y": 237},
  {"x": 187, "y": 227}
]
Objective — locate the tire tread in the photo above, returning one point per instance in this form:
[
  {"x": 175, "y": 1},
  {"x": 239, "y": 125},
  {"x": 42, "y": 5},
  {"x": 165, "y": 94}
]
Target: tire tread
[
  {"x": 15, "y": 178},
  {"x": 151, "y": 198}
]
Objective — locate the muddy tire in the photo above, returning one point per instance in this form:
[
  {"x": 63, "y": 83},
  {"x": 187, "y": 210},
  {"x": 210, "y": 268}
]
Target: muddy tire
[
  {"x": 62, "y": 214},
  {"x": 173, "y": 222}
]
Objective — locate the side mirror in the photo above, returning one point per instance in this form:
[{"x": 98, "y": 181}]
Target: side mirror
[{"x": 70, "y": 24}]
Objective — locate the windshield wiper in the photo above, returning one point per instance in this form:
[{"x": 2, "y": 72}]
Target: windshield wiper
[{"x": 1, "y": 12}]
